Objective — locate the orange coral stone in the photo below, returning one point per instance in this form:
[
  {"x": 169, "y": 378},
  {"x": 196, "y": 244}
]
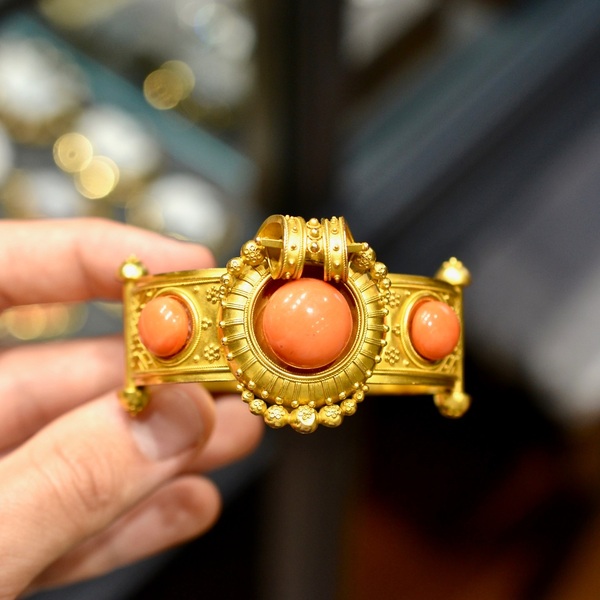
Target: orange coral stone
[
  {"x": 164, "y": 326},
  {"x": 307, "y": 323},
  {"x": 434, "y": 329}
]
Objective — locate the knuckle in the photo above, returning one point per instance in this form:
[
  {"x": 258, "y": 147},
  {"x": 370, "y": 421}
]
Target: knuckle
[{"x": 80, "y": 480}]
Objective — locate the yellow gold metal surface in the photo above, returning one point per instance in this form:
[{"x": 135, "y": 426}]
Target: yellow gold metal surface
[{"x": 225, "y": 350}]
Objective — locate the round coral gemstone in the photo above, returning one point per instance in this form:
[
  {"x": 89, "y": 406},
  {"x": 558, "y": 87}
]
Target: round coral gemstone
[
  {"x": 307, "y": 323},
  {"x": 434, "y": 329},
  {"x": 164, "y": 326}
]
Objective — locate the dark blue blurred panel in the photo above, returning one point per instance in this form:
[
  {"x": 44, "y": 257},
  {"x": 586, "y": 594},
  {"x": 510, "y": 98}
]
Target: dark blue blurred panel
[{"x": 421, "y": 169}]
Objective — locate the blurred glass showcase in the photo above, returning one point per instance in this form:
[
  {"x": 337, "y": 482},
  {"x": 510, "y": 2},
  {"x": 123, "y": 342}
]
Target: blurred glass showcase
[{"x": 437, "y": 128}]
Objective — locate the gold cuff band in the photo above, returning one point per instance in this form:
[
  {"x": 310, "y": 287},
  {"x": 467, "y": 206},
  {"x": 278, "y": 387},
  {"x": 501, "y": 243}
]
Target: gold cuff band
[{"x": 225, "y": 352}]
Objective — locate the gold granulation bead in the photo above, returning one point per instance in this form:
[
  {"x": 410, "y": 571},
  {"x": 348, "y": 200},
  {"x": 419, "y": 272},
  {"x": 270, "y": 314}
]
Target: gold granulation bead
[
  {"x": 132, "y": 269},
  {"x": 452, "y": 405},
  {"x": 454, "y": 272}
]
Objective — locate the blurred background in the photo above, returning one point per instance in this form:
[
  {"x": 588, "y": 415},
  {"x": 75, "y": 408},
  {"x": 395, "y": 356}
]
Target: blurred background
[{"x": 438, "y": 128}]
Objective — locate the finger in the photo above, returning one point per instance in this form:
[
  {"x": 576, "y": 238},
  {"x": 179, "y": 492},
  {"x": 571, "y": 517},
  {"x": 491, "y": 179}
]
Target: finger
[
  {"x": 38, "y": 383},
  {"x": 77, "y": 259},
  {"x": 179, "y": 511},
  {"x": 237, "y": 432},
  {"x": 86, "y": 469}
]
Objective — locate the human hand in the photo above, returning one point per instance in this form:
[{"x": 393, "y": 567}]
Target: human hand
[{"x": 84, "y": 488}]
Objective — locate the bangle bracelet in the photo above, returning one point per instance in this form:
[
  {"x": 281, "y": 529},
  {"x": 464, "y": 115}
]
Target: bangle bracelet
[{"x": 303, "y": 323}]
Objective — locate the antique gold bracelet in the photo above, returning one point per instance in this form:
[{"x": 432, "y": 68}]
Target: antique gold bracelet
[{"x": 303, "y": 323}]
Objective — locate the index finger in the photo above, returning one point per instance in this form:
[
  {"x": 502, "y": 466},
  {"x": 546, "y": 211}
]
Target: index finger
[{"x": 77, "y": 259}]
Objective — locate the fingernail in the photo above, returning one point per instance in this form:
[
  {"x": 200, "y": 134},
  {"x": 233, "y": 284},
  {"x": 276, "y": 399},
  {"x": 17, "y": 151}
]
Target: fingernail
[{"x": 171, "y": 425}]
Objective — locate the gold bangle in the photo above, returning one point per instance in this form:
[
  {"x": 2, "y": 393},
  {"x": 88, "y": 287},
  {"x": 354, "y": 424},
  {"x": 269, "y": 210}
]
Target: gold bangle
[{"x": 224, "y": 351}]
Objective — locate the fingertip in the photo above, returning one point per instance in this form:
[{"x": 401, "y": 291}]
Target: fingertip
[
  {"x": 178, "y": 255},
  {"x": 242, "y": 427},
  {"x": 200, "y": 501},
  {"x": 250, "y": 427},
  {"x": 181, "y": 510},
  {"x": 236, "y": 434},
  {"x": 80, "y": 258},
  {"x": 180, "y": 417}
]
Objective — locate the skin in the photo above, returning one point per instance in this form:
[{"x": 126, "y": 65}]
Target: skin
[{"x": 84, "y": 488}]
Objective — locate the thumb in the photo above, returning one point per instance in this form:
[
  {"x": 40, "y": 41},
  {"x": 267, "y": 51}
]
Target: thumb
[{"x": 84, "y": 470}]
